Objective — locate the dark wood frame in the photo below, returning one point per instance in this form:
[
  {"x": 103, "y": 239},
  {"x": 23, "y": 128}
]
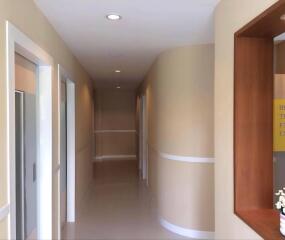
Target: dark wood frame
[{"x": 253, "y": 121}]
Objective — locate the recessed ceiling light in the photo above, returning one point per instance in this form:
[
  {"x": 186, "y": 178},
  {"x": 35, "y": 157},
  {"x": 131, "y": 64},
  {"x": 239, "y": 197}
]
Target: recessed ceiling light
[
  {"x": 282, "y": 17},
  {"x": 113, "y": 17},
  {"x": 118, "y": 87},
  {"x": 117, "y": 71}
]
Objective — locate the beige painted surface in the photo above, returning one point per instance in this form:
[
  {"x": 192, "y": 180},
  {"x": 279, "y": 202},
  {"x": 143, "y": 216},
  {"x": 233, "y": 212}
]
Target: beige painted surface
[
  {"x": 115, "y": 110},
  {"x": 25, "y": 75},
  {"x": 185, "y": 194},
  {"x": 179, "y": 85},
  {"x": 116, "y": 143},
  {"x": 25, "y": 15},
  {"x": 3, "y": 229},
  {"x": 279, "y": 86},
  {"x": 231, "y": 15},
  {"x": 179, "y": 92}
]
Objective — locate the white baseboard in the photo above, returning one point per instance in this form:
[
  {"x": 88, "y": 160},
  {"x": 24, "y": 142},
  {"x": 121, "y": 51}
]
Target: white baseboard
[
  {"x": 188, "y": 159},
  {"x": 185, "y": 232},
  {"x": 114, "y": 157}
]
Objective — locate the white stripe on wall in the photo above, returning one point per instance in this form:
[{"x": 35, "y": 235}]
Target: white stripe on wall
[
  {"x": 187, "y": 158},
  {"x": 114, "y": 157},
  {"x": 4, "y": 212},
  {"x": 196, "y": 234},
  {"x": 115, "y": 131}
]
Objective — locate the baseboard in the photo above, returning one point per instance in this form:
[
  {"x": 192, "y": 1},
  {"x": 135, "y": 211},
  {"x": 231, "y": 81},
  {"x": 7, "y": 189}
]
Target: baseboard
[
  {"x": 185, "y": 232},
  {"x": 188, "y": 159},
  {"x": 114, "y": 157}
]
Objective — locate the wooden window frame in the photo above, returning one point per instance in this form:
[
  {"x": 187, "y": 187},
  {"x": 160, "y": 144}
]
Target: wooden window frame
[{"x": 253, "y": 121}]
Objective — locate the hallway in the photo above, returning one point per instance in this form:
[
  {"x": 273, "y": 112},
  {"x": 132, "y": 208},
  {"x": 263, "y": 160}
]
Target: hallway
[
  {"x": 142, "y": 120},
  {"x": 118, "y": 207}
]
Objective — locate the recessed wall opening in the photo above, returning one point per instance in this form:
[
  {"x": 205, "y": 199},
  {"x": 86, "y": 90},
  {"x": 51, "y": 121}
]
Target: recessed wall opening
[
  {"x": 34, "y": 111},
  {"x": 255, "y": 178},
  {"x": 66, "y": 138},
  {"x": 26, "y": 148}
]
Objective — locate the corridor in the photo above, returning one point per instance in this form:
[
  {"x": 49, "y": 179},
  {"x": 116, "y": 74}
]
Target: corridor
[
  {"x": 142, "y": 120},
  {"x": 119, "y": 206}
]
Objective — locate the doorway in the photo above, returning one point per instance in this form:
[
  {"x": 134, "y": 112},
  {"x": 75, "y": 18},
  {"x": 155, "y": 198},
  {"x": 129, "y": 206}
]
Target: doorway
[
  {"x": 26, "y": 147},
  {"x": 143, "y": 140},
  {"x": 26, "y": 160},
  {"x": 66, "y": 139},
  {"x": 34, "y": 136}
]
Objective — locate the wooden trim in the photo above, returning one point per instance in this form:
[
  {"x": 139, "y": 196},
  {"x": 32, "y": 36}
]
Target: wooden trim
[
  {"x": 265, "y": 222},
  {"x": 267, "y": 24},
  {"x": 253, "y": 121}
]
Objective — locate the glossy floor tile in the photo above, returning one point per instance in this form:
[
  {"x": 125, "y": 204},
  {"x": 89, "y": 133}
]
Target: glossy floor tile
[{"x": 118, "y": 207}]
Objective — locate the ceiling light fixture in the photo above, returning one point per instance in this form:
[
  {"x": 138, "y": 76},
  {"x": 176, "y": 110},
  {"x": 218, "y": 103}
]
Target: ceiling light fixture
[
  {"x": 113, "y": 17},
  {"x": 118, "y": 87},
  {"x": 282, "y": 18},
  {"x": 117, "y": 71}
]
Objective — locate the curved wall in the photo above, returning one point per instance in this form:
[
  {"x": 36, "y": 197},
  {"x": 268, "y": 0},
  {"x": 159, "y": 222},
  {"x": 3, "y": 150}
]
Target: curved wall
[{"x": 179, "y": 91}]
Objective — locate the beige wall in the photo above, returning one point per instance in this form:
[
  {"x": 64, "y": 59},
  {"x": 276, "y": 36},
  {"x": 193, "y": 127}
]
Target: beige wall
[
  {"x": 25, "y": 75},
  {"x": 179, "y": 92},
  {"x": 231, "y": 15},
  {"x": 25, "y": 15},
  {"x": 115, "y": 110}
]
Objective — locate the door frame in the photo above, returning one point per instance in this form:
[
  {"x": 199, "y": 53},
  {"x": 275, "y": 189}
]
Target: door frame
[
  {"x": 71, "y": 164},
  {"x": 18, "y": 42},
  {"x": 143, "y": 139}
]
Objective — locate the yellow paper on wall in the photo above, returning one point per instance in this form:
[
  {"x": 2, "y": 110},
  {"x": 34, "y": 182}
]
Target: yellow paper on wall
[{"x": 279, "y": 125}]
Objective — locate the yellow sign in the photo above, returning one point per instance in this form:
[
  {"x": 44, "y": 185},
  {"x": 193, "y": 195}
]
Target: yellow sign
[{"x": 279, "y": 125}]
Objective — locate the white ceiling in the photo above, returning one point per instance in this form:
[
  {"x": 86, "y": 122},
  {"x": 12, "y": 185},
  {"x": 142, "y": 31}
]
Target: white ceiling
[{"x": 148, "y": 27}]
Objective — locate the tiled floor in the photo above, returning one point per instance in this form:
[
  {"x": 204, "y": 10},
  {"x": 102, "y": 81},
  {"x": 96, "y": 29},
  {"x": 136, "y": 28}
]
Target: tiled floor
[{"x": 119, "y": 207}]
